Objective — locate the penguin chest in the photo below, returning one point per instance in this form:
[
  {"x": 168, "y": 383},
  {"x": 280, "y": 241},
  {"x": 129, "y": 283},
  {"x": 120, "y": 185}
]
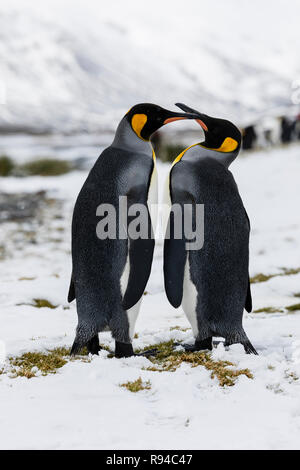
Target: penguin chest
[{"x": 189, "y": 298}]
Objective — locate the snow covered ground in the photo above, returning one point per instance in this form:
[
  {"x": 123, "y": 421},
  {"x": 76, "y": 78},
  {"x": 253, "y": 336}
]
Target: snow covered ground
[{"x": 82, "y": 405}]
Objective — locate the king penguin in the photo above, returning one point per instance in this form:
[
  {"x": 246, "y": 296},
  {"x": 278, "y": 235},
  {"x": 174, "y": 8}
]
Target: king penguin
[
  {"x": 211, "y": 283},
  {"x": 109, "y": 275}
]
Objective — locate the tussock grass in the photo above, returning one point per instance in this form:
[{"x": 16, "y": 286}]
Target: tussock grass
[
  {"x": 268, "y": 310},
  {"x": 6, "y": 166},
  {"x": 288, "y": 308},
  {"x": 137, "y": 385},
  {"x": 293, "y": 308},
  {"x": 26, "y": 278},
  {"x": 168, "y": 360},
  {"x": 265, "y": 277},
  {"x": 179, "y": 328},
  {"x": 40, "y": 303},
  {"x": 30, "y": 364},
  {"x": 46, "y": 167}
]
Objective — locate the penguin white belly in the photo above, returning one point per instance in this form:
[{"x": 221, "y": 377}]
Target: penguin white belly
[
  {"x": 133, "y": 312},
  {"x": 189, "y": 298},
  {"x": 152, "y": 197}
]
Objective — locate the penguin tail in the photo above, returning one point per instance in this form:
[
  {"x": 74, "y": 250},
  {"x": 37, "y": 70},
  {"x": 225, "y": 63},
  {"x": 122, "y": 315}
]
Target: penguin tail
[
  {"x": 241, "y": 337},
  {"x": 71, "y": 294},
  {"x": 76, "y": 347},
  {"x": 83, "y": 335},
  {"x": 249, "y": 348}
]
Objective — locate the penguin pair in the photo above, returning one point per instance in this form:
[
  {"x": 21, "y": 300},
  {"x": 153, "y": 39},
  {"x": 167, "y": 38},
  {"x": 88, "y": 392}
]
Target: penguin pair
[{"x": 109, "y": 276}]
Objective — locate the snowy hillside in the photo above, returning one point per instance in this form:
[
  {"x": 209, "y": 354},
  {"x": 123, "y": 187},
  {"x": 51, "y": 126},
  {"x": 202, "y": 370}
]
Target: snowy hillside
[
  {"x": 83, "y": 405},
  {"x": 69, "y": 66}
]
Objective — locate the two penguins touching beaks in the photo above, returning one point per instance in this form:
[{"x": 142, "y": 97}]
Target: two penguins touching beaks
[{"x": 109, "y": 275}]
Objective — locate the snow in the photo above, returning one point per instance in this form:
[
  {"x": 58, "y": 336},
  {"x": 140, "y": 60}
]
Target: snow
[
  {"x": 82, "y": 406},
  {"x": 84, "y": 64}
]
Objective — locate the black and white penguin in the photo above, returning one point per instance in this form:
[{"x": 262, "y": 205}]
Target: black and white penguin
[
  {"x": 211, "y": 283},
  {"x": 109, "y": 275}
]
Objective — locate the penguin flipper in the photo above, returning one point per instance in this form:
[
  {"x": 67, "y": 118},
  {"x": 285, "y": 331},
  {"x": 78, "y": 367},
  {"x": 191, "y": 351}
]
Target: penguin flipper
[
  {"x": 140, "y": 260},
  {"x": 174, "y": 264},
  {"x": 248, "y": 303},
  {"x": 71, "y": 294}
]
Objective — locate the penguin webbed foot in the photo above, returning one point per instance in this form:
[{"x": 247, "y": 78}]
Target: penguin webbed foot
[
  {"x": 126, "y": 350},
  {"x": 149, "y": 352},
  {"x": 205, "y": 344}
]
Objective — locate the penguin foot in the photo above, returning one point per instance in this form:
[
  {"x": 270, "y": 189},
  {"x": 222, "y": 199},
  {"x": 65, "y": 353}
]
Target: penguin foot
[
  {"x": 126, "y": 350},
  {"x": 123, "y": 350},
  {"x": 149, "y": 352},
  {"x": 93, "y": 345},
  {"x": 199, "y": 345}
]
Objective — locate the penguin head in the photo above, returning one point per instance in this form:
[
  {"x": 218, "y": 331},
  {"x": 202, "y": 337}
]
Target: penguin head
[
  {"x": 220, "y": 135},
  {"x": 146, "y": 118}
]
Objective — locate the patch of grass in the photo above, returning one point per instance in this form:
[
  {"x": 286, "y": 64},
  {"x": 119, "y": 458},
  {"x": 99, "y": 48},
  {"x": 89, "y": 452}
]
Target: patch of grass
[
  {"x": 289, "y": 271},
  {"x": 179, "y": 328},
  {"x": 40, "y": 303},
  {"x": 265, "y": 277},
  {"x": 261, "y": 278},
  {"x": 169, "y": 360},
  {"x": 137, "y": 385},
  {"x": 6, "y": 166},
  {"x": 30, "y": 363},
  {"x": 25, "y": 278},
  {"x": 297, "y": 294},
  {"x": 46, "y": 167},
  {"x": 293, "y": 308},
  {"x": 268, "y": 310}
]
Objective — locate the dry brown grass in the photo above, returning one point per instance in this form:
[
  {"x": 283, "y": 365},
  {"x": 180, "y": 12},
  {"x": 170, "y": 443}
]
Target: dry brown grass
[
  {"x": 265, "y": 277},
  {"x": 137, "y": 385},
  {"x": 168, "y": 360}
]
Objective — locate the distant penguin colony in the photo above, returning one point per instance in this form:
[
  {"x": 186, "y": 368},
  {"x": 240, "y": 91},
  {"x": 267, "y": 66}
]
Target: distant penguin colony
[{"x": 109, "y": 275}]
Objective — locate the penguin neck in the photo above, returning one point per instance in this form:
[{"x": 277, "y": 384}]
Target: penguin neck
[
  {"x": 199, "y": 151},
  {"x": 126, "y": 139}
]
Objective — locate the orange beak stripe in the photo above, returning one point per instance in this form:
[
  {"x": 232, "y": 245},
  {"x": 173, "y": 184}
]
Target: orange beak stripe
[
  {"x": 204, "y": 126},
  {"x": 173, "y": 119}
]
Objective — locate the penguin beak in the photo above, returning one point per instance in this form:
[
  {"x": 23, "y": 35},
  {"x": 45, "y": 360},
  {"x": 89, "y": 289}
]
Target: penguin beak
[
  {"x": 178, "y": 116},
  {"x": 201, "y": 118}
]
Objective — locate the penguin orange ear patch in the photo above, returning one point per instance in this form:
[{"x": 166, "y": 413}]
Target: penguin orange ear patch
[
  {"x": 137, "y": 122},
  {"x": 229, "y": 145}
]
